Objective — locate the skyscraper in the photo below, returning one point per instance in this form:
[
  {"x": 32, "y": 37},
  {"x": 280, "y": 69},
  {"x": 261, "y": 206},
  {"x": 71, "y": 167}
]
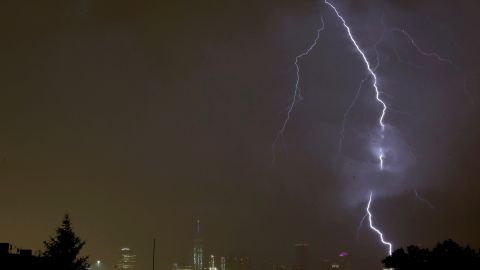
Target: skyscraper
[
  {"x": 128, "y": 260},
  {"x": 211, "y": 263},
  {"x": 223, "y": 263},
  {"x": 197, "y": 249}
]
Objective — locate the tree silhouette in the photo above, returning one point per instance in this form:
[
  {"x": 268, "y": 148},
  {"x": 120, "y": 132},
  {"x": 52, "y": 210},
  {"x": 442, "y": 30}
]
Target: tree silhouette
[
  {"x": 446, "y": 255},
  {"x": 63, "y": 250}
]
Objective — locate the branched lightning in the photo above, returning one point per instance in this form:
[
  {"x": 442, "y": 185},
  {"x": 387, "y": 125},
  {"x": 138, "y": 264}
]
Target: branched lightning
[
  {"x": 420, "y": 198},
  {"x": 381, "y": 97},
  {"x": 423, "y": 52},
  {"x": 401, "y": 60},
  {"x": 360, "y": 225},
  {"x": 355, "y": 98},
  {"x": 370, "y": 221},
  {"x": 297, "y": 91},
  {"x": 372, "y": 74},
  {"x": 434, "y": 55},
  {"x": 367, "y": 64},
  {"x": 347, "y": 112}
]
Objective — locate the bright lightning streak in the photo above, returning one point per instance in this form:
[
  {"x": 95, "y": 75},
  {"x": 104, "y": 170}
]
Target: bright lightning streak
[
  {"x": 380, "y": 120},
  {"x": 370, "y": 71},
  {"x": 367, "y": 64},
  {"x": 355, "y": 98},
  {"x": 296, "y": 92},
  {"x": 370, "y": 221}
]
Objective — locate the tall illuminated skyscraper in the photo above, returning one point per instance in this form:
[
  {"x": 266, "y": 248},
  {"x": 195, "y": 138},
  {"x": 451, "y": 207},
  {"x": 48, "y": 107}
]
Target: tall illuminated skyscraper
[
  {"x": 128, "y": 260},
  {"x": 197, "y": 249}
]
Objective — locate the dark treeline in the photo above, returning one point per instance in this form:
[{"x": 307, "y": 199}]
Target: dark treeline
[
  {"x": 62, "y": 252},
  {"x": 446, "y": 255}
]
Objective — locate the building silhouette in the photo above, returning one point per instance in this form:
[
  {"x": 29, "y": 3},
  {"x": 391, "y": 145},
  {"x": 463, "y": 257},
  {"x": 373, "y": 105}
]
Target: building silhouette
[
  {"x": 21, "y": 259},
  {"x": 223, "y": 263}
]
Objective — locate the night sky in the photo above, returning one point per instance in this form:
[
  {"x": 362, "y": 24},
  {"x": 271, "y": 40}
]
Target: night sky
[{"x": 138, "y": 117}]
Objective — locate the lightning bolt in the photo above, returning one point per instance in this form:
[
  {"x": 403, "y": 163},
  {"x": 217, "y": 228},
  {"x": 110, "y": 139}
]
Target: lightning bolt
[
  {"x": 423, "y": 52},
  {"x": 347, "y": 112},
  {"x": 371, "y": 73},
  {"x": 433, "y": 55},
  {"x": 360, "y": 225},
  {"x": 379, "y": 96},
  {"x": 355, "y": 98},
  {"x": 425, "y": 201},
  {"x": 370, "y": 221},
  {"x": 297, "y": 91},
  {"x": 374, "y": 77},
  {"x": 367, "y": 64}
]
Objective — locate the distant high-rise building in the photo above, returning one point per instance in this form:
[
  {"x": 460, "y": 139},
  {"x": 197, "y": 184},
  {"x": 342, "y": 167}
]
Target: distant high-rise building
[
  {"x": 198, "y": 249},
  {"x": 211, "y": 263},
  {"x": 301, "y": 256},
  {"x": 223, "y": 263},
  {"x": 128, "y": 260}
]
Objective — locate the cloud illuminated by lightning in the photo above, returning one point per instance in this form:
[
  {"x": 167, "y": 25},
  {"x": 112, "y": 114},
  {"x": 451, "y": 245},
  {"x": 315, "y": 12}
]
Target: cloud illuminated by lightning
[
  {"x": 370, "y": 221},
  {"x": 297, "y": 91},
  {"x": 381, "y": 156}
]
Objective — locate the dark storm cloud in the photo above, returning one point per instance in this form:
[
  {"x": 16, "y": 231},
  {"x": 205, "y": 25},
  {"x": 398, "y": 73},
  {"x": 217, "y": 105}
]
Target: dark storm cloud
[{"x": 139, "y": 116}]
